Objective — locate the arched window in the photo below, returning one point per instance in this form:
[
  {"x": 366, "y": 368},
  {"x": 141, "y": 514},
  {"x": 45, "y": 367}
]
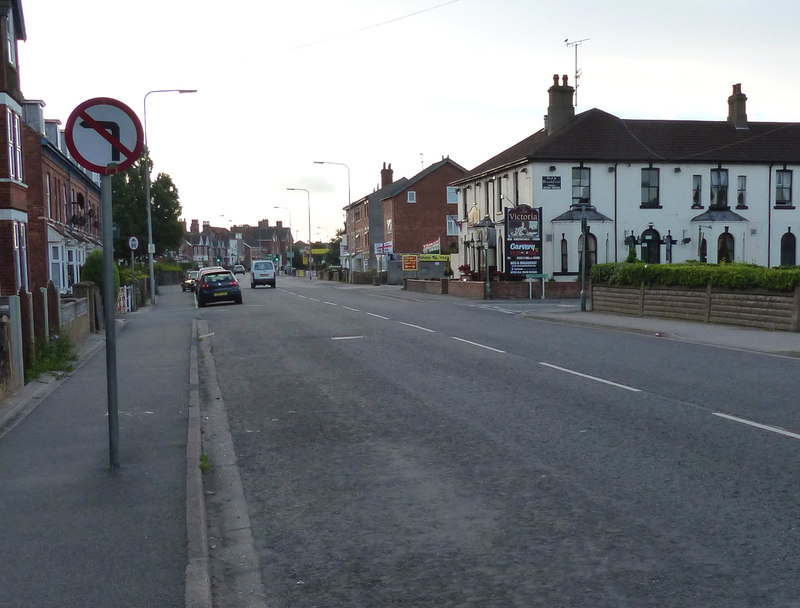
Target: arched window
[
  {"x": 725, "y": 247},
  {"x": 651, "y": 246},
  {"x": 788, "y": 249},
  {"x": 591, "y": 251},
  {"x": 564, "y": 255}
]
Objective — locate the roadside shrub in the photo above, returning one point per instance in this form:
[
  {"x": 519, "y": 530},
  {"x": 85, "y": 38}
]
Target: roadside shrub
[
  {"x": 92, "y": 270},
  {"x": 696, "y": 274}
]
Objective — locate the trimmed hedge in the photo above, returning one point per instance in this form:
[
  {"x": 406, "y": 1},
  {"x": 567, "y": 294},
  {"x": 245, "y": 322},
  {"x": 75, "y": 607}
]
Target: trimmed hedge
[{"x": 696, "y": 274}]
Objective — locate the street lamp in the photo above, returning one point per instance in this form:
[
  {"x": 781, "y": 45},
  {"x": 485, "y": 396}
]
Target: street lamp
[
  {"x": 349, "y": 243},
  {"x": 308, "y": 196},
  {"x": 150, "y": 245}
]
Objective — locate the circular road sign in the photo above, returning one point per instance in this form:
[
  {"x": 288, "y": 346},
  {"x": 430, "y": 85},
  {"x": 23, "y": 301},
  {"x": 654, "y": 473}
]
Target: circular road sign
[
  {"x": 133, "y": 243},
  {"x": 104, "y": 135}
]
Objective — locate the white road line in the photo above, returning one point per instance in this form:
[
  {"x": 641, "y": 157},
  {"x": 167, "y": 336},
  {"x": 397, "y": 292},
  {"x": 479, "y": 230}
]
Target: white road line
[
  {"x": 314, "y": 299},
  {"x": 595, "y": 378},
  {"x": 417, "y": 327},
  {"x": 299, "y": 296},
  {"x": 346, "y": 337},
  {"x": 497, "y": 350},
  {"x": 353, "y": 309},
  {"x": 766, "y": 427},
  {"x": 331, "y": 303},
  {"x": 372, "y": 314}
]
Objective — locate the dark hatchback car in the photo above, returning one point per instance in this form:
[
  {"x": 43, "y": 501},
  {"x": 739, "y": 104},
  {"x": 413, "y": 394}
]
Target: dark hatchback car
[
  {"x": 189, "y": 281},
  {"x": 217, "y": 286}
]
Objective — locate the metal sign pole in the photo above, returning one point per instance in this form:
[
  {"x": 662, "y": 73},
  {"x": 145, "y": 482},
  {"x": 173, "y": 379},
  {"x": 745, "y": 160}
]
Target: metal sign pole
[{"x": 109, "y": 302}]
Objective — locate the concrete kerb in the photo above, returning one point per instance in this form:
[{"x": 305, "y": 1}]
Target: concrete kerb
[
  {"x": 234, "y": 563},
  {"x": 198, "y": 578}
]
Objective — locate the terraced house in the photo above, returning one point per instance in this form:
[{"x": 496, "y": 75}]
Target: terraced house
[
  {"x": 49, "y": 206},
  {"x": 671, "y": 190}
]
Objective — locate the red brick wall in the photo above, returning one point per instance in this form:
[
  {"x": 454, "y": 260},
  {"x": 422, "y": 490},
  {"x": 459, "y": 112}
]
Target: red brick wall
[{"x": 415, "y": 224}]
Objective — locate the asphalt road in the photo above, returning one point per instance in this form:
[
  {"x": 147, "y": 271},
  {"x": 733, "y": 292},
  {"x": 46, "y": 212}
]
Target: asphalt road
[{"x": 399, "y": 449}]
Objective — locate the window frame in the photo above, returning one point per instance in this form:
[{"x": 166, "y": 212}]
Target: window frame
[
  {"x": 719, "y": 191},
  {"x": 452, "y": 224},
  {"x": 780, "y": 186},
  {"x": 411, "y": 196},
  {"x": 647, "y": 186},
  {"x": 583, "y": 186},
  {"x": 741, "y": 192},
  {"x": 697, "y": 191}
]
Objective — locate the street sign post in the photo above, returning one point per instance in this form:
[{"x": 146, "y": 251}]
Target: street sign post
[{"x": 105, "y": 136}]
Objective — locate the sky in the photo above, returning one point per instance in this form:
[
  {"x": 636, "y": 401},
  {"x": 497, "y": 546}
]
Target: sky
[{"x": 366, "y": 82}]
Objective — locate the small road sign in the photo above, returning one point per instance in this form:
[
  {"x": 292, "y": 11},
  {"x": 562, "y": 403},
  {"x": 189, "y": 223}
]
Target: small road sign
[
  {"x": 102, "y": 132},
  {"x": 133, "y": 243}
]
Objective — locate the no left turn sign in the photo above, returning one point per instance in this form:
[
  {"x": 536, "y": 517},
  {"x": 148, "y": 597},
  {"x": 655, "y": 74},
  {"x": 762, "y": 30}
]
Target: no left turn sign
[{"x": 102, "y": 132}]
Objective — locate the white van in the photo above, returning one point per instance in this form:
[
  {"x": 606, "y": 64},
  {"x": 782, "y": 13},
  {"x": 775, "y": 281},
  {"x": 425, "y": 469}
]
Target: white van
[{"x": 262, "y": 272}]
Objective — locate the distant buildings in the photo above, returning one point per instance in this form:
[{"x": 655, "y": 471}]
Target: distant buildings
[{"x": 238, "y": 245}]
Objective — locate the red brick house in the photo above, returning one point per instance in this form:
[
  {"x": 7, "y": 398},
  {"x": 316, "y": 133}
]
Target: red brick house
[
  {"x": 421, "y": 217},
  {"x": 49, "y": 206},
  {"x": 404, "y": 216}
]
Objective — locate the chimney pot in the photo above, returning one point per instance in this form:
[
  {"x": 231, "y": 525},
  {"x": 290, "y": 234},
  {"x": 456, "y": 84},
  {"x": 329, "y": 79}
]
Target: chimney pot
[
  {"x": 560, "y": 112},
  {"x": 737, "y": 108}
]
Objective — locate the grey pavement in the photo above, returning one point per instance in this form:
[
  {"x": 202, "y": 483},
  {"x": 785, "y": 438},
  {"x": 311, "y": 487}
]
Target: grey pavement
[{"x": 73, "y": 532}]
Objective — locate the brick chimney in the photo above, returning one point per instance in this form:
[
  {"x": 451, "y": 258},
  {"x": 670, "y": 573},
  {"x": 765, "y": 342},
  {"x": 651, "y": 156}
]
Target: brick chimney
[
  {"x": 560, "y": 112},
  {"x": 737, "y": 112},
  {"x": 279, "y": 224},
  {"x": 195, "y": 227},
  {"x": 386, "y": 175}
]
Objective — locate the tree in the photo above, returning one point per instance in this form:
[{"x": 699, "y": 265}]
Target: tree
[
  {"x": 130, "y": 212},
  {"x": 333, "y": 257}
]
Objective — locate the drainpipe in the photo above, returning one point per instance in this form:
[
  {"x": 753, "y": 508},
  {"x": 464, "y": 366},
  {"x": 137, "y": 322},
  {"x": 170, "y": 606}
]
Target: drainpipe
[
  {"x": 616, "y": 259},
  {"x": 769, "y": 214}
]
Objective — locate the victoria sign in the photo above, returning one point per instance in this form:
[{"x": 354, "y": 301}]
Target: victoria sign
[{"x": 524, "y": 240}]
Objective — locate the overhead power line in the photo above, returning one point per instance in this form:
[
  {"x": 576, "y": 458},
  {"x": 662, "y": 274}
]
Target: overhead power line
[{"x": 373, "y": 26}]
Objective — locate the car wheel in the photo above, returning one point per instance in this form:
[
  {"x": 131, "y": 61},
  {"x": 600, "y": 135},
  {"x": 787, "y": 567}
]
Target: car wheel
[
  {"x": 252, "y": 285},
  {"x": 200, "y": 304},
  {"x": 238, "y": 301}
]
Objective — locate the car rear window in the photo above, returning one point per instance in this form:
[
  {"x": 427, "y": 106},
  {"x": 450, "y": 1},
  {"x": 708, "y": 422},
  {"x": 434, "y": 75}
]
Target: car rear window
[
  {"x": 217, "y": 277},
  {"x": 263, "y": 266}
]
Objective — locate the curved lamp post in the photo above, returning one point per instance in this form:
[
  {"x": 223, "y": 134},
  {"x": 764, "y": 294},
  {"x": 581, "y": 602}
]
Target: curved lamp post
[
  {"x": 148, "y": 203},
  {"x": 308, "y": 195},
  {"x": 349, "y": 244}
]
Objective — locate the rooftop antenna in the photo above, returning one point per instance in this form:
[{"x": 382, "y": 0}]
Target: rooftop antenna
[
  {"x": 576, "y": 44},
  {"x": 421, "y": 161}
]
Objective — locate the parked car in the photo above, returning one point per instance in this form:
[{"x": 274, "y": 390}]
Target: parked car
[
  {"x": 262, "y": 272},
  {"x": 239, "y": 269},
  {"x": 217, "y": 285},
  {"x": 189, "y": 281}
]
